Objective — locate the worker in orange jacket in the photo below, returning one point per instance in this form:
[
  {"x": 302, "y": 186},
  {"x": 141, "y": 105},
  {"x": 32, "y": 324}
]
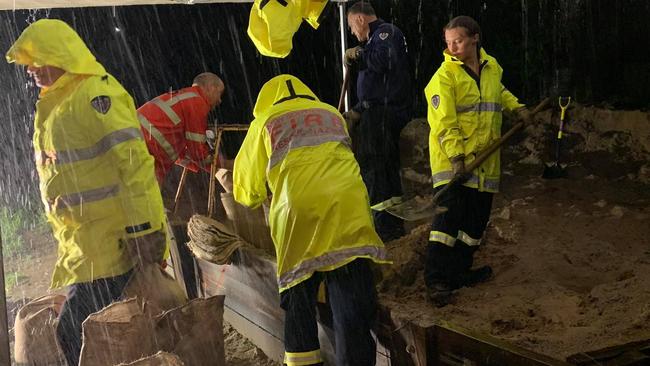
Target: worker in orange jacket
[{"x": 174, "y": 125}]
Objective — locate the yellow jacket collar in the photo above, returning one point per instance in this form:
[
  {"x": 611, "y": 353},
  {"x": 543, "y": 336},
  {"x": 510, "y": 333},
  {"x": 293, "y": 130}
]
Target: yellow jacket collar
[
  {"x": 52, "y": 42},
  {"x": 449, "y": 58},
  {"x": 280, "y": 89}
]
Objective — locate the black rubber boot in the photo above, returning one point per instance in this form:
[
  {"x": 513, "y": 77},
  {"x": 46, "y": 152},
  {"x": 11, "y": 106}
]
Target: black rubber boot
[
  {"x": 440, "y": 294},
  {"x": 475, "y": 276}
]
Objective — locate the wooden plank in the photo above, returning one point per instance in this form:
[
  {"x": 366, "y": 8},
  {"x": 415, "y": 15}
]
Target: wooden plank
[
  {"x": 629, "y": 354},
  {"x": 455, "y": 346}
]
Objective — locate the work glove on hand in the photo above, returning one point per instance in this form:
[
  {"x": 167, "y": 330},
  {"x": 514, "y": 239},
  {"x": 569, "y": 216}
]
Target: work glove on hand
[
  {"x": 351, "y": 117},
  {"x": 524, "y": 114},
  {"x": 458, "y": 168},
  {"x": 210, "y": 139},
  {"x": 148, "y": 248},
  {"x": 352, "y": 54}
]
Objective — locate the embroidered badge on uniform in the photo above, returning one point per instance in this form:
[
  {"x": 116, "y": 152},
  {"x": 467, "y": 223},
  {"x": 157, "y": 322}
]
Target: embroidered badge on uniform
[
  {"x": 383, "y": 36},
  {"x": 435, "y": 101},
  {"x": 101, "y": 103}
]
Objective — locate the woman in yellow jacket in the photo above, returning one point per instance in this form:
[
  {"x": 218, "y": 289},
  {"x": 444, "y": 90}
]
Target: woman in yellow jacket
[
  {"x": 319, "y": 217},
  {"x": 466, "y": 100},
  {"x": 96, "y": 176}
]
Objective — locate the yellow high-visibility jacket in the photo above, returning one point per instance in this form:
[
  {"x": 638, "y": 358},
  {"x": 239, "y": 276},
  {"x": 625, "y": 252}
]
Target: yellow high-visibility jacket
[
  {"x": 272, "y": 23},
  {"x": 320, "y": 215},
  {"x": 465, "y": 119},
  {"x": 96, "y": 176}
]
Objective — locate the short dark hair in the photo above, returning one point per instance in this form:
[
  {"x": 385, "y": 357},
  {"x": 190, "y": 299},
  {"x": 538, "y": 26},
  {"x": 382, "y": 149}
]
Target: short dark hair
[
  {"x": 466, "y": 22},
  {"x": 361, "y": 7}
]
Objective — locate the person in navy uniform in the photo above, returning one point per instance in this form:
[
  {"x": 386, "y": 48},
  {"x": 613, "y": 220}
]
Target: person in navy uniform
[{"x": 384, "y": 91}]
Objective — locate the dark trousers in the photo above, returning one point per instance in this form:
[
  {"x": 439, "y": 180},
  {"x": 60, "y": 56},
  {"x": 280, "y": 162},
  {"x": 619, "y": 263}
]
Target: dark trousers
[
  {"x": 465, "y": 220},
  {"x": 375, "y": 142},
  {"x": 84, "y": 299},
  {"x": 353, "y": 301}
]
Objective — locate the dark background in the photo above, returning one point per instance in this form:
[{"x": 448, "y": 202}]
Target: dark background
[{"x": 602, "y": 45}]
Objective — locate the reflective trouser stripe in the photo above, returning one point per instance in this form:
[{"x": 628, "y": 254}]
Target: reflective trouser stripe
[
  {"x": 465, "y": 238},
  {"x": 198, "y": 137},
  {"x": 329, "y": 259},
  {"x": 474, "y": 180},
  {"x": 167, "y": 109},
  {"x": 480, "y": 107},
  {"x": 158, "y": 136},
  {"x": 102, "y": 146},
  {"x": 78, "y": 198},
  {"x": 448, "y": 240},
  {"x": 443, "y": 238},
  {"x": 302, "y": 358}
]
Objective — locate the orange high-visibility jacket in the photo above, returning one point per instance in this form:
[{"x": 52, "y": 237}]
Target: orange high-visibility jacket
[{"x": 174, "y": 127}]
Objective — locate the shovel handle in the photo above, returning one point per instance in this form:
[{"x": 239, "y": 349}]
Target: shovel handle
[
  {"x": 344, "y": 89},
  {"x": 489, "y": 151}
]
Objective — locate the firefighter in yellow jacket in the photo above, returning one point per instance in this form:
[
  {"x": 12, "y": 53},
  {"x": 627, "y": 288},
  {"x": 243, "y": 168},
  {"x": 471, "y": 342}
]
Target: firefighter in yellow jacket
[
  {"x": 319, "y": 217},
  {"x": 97, "y": 179},
  {"x": 466, "y": 99}
]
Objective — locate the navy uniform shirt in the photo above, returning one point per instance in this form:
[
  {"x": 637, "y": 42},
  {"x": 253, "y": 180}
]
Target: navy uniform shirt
[{"x": 385, "y": 75}]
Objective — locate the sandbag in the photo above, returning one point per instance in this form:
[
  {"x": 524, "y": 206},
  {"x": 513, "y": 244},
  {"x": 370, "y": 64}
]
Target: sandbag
[
  {"x": 250, "y": 224},
  {"x": 35, "y": 332},
  {"x": 159, "y": 290},
  {"x": 119, "y": 333},
  {"x": 195, "y": 331},
  {"x": 159, "y": 359}
]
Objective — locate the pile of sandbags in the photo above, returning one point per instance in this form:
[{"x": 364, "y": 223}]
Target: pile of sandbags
[
  {"x": 125, "y": 331},
  {"x": 211, "y": 240}
]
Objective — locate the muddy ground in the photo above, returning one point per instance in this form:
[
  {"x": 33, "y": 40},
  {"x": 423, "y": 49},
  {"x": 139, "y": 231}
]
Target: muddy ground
[{"x": 571, "y": 260}]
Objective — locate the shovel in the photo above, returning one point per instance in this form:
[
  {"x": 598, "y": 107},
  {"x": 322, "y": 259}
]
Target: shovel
[
  {"x": 419, "y": 208},
  {"x": 555, "y": 169}
]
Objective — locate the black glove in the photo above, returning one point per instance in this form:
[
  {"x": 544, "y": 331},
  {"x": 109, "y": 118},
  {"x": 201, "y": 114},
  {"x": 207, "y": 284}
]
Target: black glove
[
  {"x": 458, "y": 168},
  {"x": 148, "y": 248},
  {"x": 351, "y": 117}
]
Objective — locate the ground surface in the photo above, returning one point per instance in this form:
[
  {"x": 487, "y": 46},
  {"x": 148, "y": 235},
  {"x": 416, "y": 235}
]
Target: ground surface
[{"x": 571, "y": 259}]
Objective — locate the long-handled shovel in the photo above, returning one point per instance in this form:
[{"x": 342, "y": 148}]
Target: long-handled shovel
[
  {"x": 556, "y": 169},
  {"x": 419, "y": 208}
]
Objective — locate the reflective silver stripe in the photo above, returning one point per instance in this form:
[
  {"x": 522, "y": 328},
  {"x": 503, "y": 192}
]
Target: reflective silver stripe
[
  {"x": 101, "y": 147},
  {"x": 446, "y": 176},
  {"x": 491, "y": 184},
  {"x": 177, "y": 98},
  {"x": 441, "y": 237},
  {"x": 76, "y": 199},
  {"x": 309, "y": 127},
  {"x": 302, "y": 358},
  {"x": 158, "y": 136},
  {"x": 198, "y": 137},
  {"x": 480, "y": 107},
  {"x": 465, "y": 238},
  {"x": 328, "y": 259},
  {"x": 167, "y": 109}
]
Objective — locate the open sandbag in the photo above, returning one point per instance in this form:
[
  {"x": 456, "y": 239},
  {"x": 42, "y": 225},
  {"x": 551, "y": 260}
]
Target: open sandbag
[
  {"x": 159, "y": 290},
  {"x": 119, "y": 333},
  {"x": 159, "y": 359},
  {"x": 249, "y": 224},
  {"x": 35, "y": 330},
  {"x": 195, "y": 331}
]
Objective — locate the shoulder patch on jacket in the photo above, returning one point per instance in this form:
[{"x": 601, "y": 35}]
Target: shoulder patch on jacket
[
  {"x": 101, "y": 103},
  {"x": 435, "y": 101},
  {"x": 383, "y": 35}
]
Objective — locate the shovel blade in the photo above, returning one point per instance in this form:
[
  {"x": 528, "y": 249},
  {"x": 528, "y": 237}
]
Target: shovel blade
[
  {"x": 416, "y": 209},
  {"x": 554, "y": 171}
]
